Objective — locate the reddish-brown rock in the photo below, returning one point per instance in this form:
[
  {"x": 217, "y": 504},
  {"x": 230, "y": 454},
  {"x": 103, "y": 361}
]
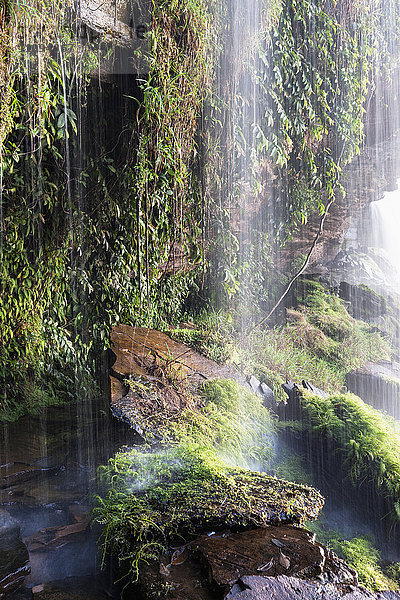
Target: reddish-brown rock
[
  {"x": 272, "y": 551},
  {"x": 163, "y": 375}
]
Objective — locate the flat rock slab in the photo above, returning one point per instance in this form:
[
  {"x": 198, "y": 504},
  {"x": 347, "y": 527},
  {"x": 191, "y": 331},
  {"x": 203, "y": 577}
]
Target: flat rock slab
[
  {"x": 139, "y": 350},
  {"x": 271, "y": 551},
  {"x": 383, "y": 368},
  {"x": 290, "y": 588},
  {"x": 248, "y": 566},
  {"x": 52, "y": 538},
  {"x": 165, "y": 373}
]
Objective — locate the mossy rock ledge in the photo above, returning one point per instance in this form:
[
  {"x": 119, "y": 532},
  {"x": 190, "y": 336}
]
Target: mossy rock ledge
[
  {"x": 185, "y": 512},
  {"x": 187, "y": 525}
]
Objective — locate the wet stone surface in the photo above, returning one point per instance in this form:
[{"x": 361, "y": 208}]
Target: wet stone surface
[
  {"x": 290, "y": 588},
  {"x": 271, "y": 551},
  {"x": 378, "y": 384},
  {"x": 216, "y": 566},
  {"x": 14, "y": 558},
  {"x": 70, "y": 588},
  {"x": 138, "y": 351}
]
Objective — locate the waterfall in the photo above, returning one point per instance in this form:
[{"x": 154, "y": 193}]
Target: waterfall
[{"x": 385, "y": 229}]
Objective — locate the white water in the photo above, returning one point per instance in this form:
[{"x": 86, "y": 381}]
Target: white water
[{"x": 385, "y": 230}]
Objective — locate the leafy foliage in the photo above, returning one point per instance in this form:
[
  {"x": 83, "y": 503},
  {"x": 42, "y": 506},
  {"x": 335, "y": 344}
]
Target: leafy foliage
[
  {"x": 283, "y": 150},
  {"x": 96, "y": 227}
]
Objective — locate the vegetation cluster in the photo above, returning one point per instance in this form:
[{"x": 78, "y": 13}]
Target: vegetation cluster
[
  {"x": 95, "y": 218},
  {"x": 319, "y": 341},
  {"x": 367, "y": 440},
  {"x": 155, "y": 497},
  {"x": 113, "y": 205}
]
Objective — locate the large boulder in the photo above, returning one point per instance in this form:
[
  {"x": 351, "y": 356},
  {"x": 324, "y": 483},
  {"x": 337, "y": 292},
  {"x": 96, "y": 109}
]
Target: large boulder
[
  {"x": 282, "y": 563},
  {"x": 117, "y": 33},
  {"x": 14, "y": 558},
  {"x": 270, "y": 551}
]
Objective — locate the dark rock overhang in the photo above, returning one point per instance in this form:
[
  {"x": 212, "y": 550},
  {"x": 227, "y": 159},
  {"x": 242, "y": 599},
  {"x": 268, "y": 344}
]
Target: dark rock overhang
[{"x": 117, "y": 32}]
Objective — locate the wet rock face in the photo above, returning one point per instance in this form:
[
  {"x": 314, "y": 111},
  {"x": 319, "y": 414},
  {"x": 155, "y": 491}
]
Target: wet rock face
[
  {"x": 378, "y": 384},
  {"x": 14, "y": 558},
  {"x": 120, "y": 27},
  {"x": 271, "y": 551},
  {"x": 290, "y": 588},
  {"x": 259, "y": 563}
]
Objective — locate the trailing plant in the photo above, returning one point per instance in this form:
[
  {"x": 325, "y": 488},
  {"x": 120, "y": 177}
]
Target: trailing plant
[
  {"x": 39, "y": 357},
  {"x": 313, "y": 66},
  {"x": 98, "y": 228}
]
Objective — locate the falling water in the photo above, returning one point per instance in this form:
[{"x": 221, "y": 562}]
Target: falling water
[
  {"x": 48, "y": 462},
  {"x": 385, "y": 233}
]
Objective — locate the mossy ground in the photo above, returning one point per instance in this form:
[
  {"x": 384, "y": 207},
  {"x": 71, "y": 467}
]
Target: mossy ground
[
  {"x": 368, "y": 440},
  {"x": 319, "y": 342},
  {"x": 368, "y": 445}
]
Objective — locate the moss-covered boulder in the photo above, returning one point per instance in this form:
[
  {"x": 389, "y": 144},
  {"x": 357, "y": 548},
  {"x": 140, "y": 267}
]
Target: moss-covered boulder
[
  {"x": 342, "y": 434},
  {"x": 155, "y": 498}
]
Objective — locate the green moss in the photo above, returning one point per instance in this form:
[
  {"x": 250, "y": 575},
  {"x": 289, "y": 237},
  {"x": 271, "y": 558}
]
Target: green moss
[
  {"x": 155, "y": 497},
  {"x": 290, "y": 467},
  {"x": 348, "y": 343},
  {"x": 193, "y": 485},
  {"x": 368, "y": 440},
  {"x": 233, "y": 421},
  {"x": 226, "y": 416},
  {"x": 360, "y": 553},
  {"x": 393, "y": 572}
]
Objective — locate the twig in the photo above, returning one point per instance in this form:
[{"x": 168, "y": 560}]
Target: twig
[{"x": 299, "y": 272}]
